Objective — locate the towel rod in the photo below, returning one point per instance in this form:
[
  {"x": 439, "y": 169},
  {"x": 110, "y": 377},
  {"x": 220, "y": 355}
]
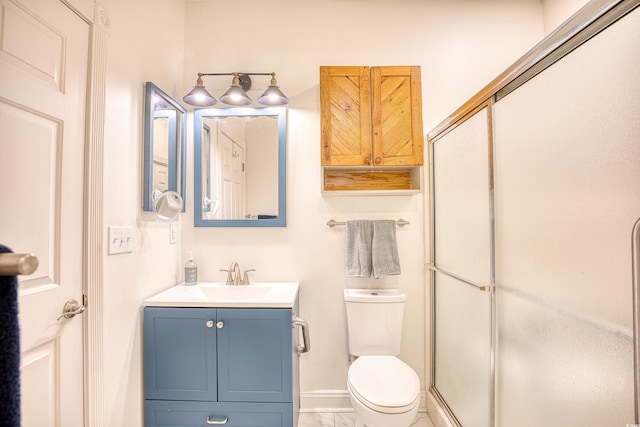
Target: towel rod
[
  {"x": 400, "y": 223},
  {"x": 13, "y": 264}
]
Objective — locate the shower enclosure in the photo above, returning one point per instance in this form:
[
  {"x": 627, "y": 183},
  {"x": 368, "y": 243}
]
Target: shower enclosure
[{"x": 535, "y": 191}]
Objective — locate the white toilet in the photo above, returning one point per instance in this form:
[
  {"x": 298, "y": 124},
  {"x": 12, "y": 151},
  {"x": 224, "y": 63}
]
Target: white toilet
[{"x": 384, "y": 391}]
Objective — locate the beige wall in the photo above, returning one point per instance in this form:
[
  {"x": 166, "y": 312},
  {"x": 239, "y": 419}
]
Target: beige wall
[
  {"x": 146, "y": 44},
  {"x": 461, "y": 46},
  {"x": 558, "y": 11}
]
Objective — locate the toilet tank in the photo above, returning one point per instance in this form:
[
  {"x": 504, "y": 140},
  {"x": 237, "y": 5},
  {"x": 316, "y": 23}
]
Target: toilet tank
[{"x": 374, "y": 321}]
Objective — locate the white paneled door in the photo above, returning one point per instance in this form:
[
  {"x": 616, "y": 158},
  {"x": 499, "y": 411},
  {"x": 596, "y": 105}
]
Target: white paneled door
[{"x": 44, "y": 49}]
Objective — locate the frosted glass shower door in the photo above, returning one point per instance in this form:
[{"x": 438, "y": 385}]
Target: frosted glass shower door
[
  {"x": 462, "y": 265},
  {"x": 567, "y": 183}
]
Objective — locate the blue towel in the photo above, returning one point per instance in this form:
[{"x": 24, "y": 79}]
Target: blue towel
[{"x": 9, "y": 351}]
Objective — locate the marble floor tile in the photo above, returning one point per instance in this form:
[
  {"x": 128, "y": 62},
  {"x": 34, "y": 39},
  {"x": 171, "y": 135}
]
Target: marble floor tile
[
  {"x": 346, "y": 419},
  {"x": 316, "y": 419},
  {"x": 422, "y": 420}
]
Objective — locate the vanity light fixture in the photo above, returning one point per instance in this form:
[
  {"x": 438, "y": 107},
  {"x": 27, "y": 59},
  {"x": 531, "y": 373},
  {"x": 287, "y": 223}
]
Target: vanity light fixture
[{"x": 237, "y": 93}]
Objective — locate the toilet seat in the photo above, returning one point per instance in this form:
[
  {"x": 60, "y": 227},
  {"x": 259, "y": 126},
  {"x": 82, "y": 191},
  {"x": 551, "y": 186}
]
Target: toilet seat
[{"x": 384, "y": 384}]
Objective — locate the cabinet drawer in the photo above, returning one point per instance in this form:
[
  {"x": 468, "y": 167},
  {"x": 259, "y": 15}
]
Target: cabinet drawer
[{"x": 159, "y": 413}]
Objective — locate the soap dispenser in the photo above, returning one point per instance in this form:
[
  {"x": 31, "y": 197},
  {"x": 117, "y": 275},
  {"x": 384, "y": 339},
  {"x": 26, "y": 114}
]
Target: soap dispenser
[{"x": 190, "y": 271}]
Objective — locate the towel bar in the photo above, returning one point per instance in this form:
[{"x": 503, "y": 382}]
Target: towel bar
[
  {"x": 13, "y": 264},
  {"x": 400, "y": 223}
]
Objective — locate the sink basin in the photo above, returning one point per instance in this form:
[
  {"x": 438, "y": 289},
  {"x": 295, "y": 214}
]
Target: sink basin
[
  {"x": 218, "y": 294},
  {"x": 235, "y": 292}
]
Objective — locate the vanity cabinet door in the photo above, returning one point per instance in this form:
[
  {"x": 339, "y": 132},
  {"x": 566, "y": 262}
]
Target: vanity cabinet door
[
  {"x": 180, "y": 353},
  {"x": 254, "y": 355}
]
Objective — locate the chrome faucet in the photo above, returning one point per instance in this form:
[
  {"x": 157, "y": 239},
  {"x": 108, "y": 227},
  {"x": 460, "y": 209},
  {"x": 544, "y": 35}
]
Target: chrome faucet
[{"x": 235, "y": 277}]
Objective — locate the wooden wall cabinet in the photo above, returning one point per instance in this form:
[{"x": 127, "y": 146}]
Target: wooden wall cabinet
[{"x": 370, "y": 117}]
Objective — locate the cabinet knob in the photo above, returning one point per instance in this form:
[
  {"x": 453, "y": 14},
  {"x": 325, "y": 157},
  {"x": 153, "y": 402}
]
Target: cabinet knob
[
  {"x": 209, "y": 323},
  {"x": 219, "y": 325},
  {"x": 378, "y": 160},
  {"x": 367, "y": 160}
]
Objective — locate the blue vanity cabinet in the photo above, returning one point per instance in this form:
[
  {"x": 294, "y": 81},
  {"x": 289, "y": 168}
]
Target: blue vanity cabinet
[{"x": 220, "y": 366}]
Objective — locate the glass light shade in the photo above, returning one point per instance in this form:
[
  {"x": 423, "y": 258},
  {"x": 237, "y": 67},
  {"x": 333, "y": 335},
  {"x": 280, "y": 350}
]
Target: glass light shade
[
  {"x": 273, "y": 96},
  {"x": 235, "y": 96},
  {"x": 199, "y": 96}
]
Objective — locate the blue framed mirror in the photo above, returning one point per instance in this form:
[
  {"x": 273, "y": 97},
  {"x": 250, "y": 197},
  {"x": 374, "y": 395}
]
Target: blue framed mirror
[
  {"x": 165, "y": 136},
  {"x": 240, "y": 167}
]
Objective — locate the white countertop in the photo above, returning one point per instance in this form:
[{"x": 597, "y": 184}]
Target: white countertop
[{"x": 218, "y": 294}]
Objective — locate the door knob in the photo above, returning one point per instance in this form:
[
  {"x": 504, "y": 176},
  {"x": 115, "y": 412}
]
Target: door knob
[{"x": 71, "y": 308}]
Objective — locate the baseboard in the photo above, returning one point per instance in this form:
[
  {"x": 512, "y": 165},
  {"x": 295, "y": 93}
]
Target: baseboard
[
  {"x": 436, "y": 412},
  {"x": 336, "y": 401},
  {"x": 325, "y": 401}
]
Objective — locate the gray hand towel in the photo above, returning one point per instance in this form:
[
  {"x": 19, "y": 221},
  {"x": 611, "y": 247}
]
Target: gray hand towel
[
  {"x": 358, "y": 239},
  {"x": 384, "y": 249}
]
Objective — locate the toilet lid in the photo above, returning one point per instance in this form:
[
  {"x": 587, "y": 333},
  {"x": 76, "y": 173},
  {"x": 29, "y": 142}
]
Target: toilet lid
[{"x": 384, "y": 383}]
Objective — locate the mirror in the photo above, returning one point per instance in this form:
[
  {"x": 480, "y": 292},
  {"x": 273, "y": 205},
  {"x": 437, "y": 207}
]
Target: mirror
[
  {"x": 240, "y": 167},
  {"x": 164, "y": 148},
  {"x": 168, "y": 205}
]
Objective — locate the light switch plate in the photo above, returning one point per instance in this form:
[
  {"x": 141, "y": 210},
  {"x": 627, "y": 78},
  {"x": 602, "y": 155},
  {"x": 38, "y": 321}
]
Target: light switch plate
[
  {"x": 120, "y": 239},
  {"x": 173, "y": 232}
]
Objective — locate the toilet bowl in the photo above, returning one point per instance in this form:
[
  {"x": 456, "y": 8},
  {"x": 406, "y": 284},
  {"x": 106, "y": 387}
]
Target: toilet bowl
[{"x": 384, "y": 391}]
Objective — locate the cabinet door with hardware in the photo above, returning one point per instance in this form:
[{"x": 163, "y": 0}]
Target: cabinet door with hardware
[
  {"x": 345, "y": 102},
  {"x": 254, "y": 355},
  {"x": 180, "y": 353},
  {"x": 396, "y": 111}
]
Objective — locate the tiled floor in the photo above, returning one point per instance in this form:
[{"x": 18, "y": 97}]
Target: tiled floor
[{"x": 345, "y": 419}]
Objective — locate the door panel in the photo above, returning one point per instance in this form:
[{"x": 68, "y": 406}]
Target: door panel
[
  {"x": 345, "y": 97},
  {"x": 567, "y": 197},
  {"x": 463, "y": 350},
  {"x": 462, "y": 200},
  {"x": 43, "y": 76},
  {"x": 396, "y": 111},
  {"x": 463, "y": 314}
]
